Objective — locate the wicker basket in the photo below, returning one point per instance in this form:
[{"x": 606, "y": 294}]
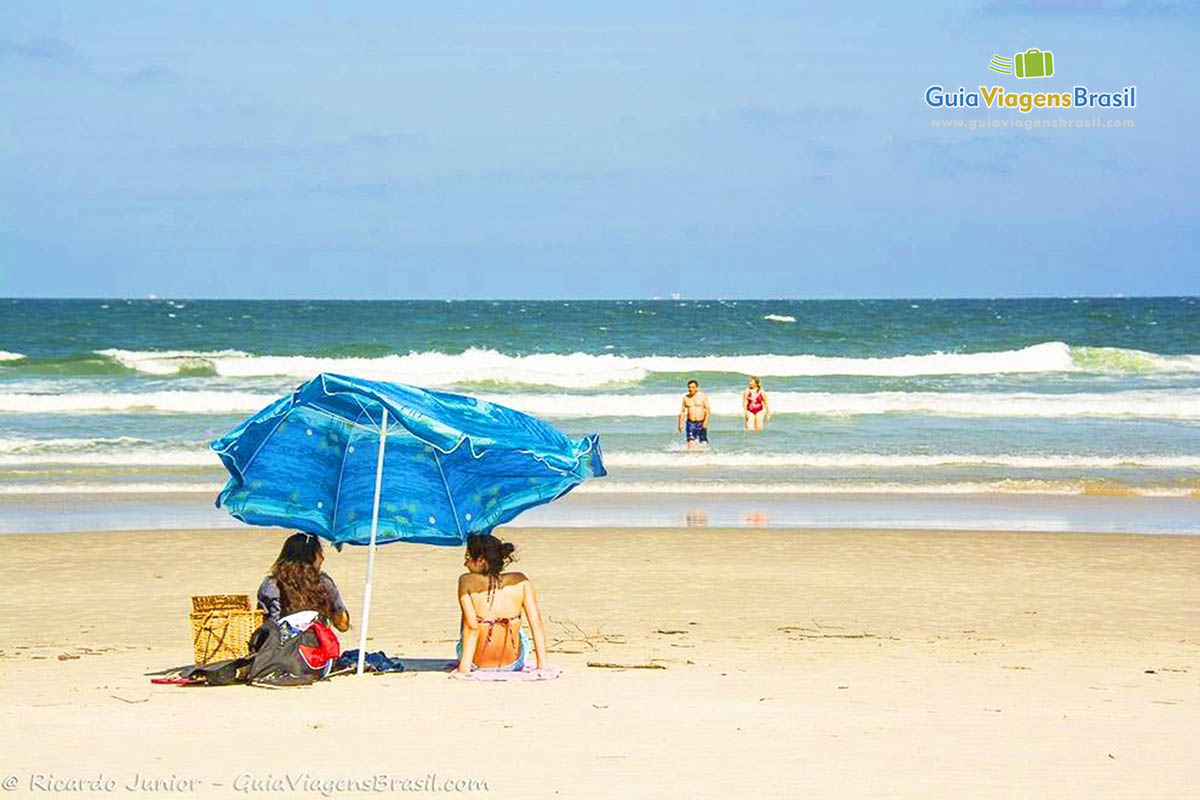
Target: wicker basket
[{"x": 222, "y": 625}]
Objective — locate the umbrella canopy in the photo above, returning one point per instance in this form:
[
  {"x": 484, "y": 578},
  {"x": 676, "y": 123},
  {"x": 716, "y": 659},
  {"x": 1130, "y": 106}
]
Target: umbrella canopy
[
  {"x": 363, "y": 462},
  {"x": 453, "y": 465}
]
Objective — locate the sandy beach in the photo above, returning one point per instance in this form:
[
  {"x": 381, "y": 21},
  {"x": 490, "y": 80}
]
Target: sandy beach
[
  {"x": 837, "y": 369},
  {"x": 791, "y": 663}
]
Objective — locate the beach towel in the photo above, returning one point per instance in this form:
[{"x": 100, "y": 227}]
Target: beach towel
[{"x": 529, "y": 673}]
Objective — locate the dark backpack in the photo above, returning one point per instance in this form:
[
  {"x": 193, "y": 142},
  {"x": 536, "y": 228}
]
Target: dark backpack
[
  {"x": 281, "y": 657},
  {"x": 278, "y": 657}
]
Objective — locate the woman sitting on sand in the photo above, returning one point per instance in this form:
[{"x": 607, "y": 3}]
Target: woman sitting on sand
[
  {"x": 492, "y": 602},
  {"x": 754, "y": 405},
  {"x": 296, "y": 583}
]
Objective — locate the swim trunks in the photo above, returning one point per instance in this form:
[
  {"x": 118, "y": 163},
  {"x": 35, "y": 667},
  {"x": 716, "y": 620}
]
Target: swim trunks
[{"x": 696, "y": 432}]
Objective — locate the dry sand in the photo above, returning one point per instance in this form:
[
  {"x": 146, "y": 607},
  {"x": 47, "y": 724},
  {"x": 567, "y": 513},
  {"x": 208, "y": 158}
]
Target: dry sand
[{"x": 797, "y": 663}]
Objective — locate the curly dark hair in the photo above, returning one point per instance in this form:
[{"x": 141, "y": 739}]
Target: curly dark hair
[
  {"x": 495, "y": 553},
  {"x": 299, "y": 580}
]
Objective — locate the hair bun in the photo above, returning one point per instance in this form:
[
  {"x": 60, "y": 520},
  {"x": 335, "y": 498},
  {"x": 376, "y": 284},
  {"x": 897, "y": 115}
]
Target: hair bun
[{"x": 508, "y": 548}]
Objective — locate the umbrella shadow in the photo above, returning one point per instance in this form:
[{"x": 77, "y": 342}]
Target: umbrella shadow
[
  {"x": 427, "y": 664},
  {"x": 405, "y": 665}
]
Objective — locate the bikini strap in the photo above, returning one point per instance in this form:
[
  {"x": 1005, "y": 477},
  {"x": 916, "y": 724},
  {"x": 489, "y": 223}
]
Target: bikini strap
[{"x": 492, "y": 623}]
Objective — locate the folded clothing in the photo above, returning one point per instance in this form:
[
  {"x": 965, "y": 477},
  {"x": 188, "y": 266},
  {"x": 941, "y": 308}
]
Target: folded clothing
[{"x": 378, "y": 661}]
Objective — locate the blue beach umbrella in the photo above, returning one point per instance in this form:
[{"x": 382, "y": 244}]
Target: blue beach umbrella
[{"x": 366, "y": 462}]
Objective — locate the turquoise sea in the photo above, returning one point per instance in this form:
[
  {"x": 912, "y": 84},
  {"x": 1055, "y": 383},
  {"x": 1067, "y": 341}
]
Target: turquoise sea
[{"x": 1040, "y": 414}]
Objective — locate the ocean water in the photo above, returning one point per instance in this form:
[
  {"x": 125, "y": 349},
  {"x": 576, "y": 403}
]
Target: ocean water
[{"x": 1058, "y": 414}]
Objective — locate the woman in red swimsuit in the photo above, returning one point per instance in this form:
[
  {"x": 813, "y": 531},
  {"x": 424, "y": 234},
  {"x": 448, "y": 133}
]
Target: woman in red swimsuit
[{"x": 754, "y": 405}]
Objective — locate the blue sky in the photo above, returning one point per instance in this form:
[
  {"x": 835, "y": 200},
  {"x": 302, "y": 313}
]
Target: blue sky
[{"x": 585, "y": 150}]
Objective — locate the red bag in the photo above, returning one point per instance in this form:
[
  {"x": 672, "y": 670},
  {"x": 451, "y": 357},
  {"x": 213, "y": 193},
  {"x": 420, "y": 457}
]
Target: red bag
[{"x": 326, "y": 650}]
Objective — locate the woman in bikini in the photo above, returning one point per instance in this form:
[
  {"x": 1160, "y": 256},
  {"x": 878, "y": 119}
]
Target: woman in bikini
[
  {"x": 492, "y": 602},
  {"x": 754, "y": 405}
]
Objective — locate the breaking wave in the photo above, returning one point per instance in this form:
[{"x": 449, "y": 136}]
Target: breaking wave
[
  {"x": 1150, "y": 404},
  {"x": 1002, "y": 487},
  {"x": 684, "y": 460},
  {"x": 584, "y": 370},
  {"x": 134, "y": 452},
  {"x": 1081, "y": 488}
]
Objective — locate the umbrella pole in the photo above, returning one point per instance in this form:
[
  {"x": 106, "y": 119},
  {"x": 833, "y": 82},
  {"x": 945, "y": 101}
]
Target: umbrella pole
[{"x": 366, "y": 615}]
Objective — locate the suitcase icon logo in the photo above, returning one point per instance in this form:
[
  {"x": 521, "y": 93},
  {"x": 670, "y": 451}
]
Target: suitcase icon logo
[{"x": 1033, "y": 63}]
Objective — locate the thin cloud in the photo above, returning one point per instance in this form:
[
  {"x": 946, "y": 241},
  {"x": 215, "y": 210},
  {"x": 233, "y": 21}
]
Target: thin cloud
[
  {"x": 816, "y": 132},
  {"x": 1097, "y": 9},
  {"x": 966, "y": 157},
  {"x": 44, "y": 49},
  {"x": 249, "y": 151},
  {"x": 150, "y": 75}
]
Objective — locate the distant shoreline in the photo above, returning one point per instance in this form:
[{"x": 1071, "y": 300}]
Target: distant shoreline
[{"x": 1077, "y": 514}]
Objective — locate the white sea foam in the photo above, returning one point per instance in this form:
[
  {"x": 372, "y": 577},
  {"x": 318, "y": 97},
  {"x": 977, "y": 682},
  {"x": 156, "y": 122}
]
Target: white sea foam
[
  {"x": 199, "y": 457},
  {"x": 1152, "y": 404},
  {"x": 1155, "y": 404},
  {"x": 584, "y": 370},
  {"x": 66, "y": 443},
  {"x": 62, "y": 452},
  {"x": 172, "y": 362},
  {"x": 1001, "y": 487},
  {"x": 110, "y": 488},
  {"x": 710, "y": 488},
  {"x": 572, "y": 371},
  {"x": 7, "y": 356},
  {"x": 173, "y": 402},
  {"x": 690, "y": 460},
  {"x": 779, "y": 318}
]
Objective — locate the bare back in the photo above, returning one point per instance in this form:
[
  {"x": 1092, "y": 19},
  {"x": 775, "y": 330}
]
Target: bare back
[{"x": 499, "y": 615}]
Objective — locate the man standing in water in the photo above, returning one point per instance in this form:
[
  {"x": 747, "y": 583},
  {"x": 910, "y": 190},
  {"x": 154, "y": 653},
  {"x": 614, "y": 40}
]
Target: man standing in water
[{"x": 694, "y": 414}]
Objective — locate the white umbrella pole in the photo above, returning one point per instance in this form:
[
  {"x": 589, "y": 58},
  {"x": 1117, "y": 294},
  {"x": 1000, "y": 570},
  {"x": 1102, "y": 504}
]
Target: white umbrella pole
[{"x": 366, "y": 614}]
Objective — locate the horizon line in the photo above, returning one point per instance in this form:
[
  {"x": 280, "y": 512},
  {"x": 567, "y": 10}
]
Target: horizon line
[{"x": 166, "y": 298}]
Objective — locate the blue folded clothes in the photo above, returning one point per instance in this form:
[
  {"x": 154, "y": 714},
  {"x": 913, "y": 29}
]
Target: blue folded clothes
[{"x": 378, "y": 661}]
